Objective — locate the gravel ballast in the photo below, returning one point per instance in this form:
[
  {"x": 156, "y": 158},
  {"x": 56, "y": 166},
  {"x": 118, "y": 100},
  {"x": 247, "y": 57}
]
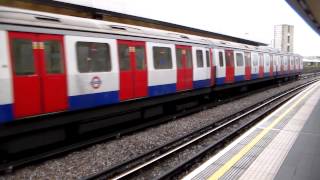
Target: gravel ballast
[{"x": 102, "y": 156}]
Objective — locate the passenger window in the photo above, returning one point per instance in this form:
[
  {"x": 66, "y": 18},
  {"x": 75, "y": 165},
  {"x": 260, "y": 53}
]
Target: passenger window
[
  {"x": 255, "y": 59},
  {"x": 247, "y": 58},
  {"x": 189, "y": 58},
  {"x": 221, "y": 59},
  {"x": 239, "y": 59},
  {"x": 53, "y": 57},
  {"x": 208, "y": 58},
  {"x": 140, "y": 58},
  {"x": 124, "y": 58},
  {"x": 93, "y": 57},
  {"x": 23, "y": 57},
  {"x": 199, "y": 58},
  {"x": 267, "y": 59},
  {"x": 162, "y": 58}
]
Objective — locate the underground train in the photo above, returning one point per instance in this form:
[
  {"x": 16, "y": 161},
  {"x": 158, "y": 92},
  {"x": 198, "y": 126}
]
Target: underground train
[{"x": 52, "y": 64}]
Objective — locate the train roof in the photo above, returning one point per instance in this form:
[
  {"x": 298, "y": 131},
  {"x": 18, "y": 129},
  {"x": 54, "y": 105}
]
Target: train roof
[{"x": 14, "y": 16}]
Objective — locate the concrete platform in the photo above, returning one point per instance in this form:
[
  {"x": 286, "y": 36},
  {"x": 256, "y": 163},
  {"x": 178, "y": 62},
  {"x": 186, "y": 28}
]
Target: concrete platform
[{"x": 285, "y": 145}]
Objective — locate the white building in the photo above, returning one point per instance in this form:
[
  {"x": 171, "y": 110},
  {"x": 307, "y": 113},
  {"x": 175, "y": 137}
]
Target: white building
[{"x": 283, "y": 37}]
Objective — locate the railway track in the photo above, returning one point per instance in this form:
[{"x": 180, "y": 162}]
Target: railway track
[
  {"x": 136, "y": 167},
  {"x": 9, "y": 166}
]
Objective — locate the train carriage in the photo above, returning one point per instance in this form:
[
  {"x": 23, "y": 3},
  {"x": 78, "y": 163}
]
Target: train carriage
[{"x": 51, "y": 64}]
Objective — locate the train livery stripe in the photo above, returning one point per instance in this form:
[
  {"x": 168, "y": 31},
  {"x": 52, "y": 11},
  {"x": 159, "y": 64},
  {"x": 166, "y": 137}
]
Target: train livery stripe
[
  {"x": 162, "y": 89},
  {"x": 239, "y": 78},
  {"x": 220, "y": 81},
  {"x": 6, "y": 113},
  {"x": 93, "y": 100},
  {"x": 201, "y": 83}
]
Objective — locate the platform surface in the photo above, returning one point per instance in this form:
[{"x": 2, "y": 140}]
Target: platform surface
[{"x": 285, "y": 145}]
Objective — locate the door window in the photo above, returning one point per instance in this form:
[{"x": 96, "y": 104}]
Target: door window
[
  {"x": 179, "y": 57},
  {"x": 124, "y": 59},
  {"x": 140, "y": 57},
  {"x": 53, "y": 57},
  {"x": 208, "y": 58},
  {"x": 23, "y": 57},
  {"x": 247, "y": 58},
  {"x": 189, "y": 58}
]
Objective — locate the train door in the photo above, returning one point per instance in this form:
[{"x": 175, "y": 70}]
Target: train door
[
  {"x": 39, "y": 74},
  {"x": 229, "y": 66},
  {"x": 271, "y": 65},
  {"x": 220, "y": 66},
  {"x": 261, "y": 63},
  {"x": 209, "y": 54},
  {"x": 247, "y": 57},
  {"x": 184, "y": 67},
  {"x": 133, "y": 69}
]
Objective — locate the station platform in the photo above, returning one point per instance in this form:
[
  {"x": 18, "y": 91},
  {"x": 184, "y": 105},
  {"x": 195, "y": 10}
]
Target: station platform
[{"x": 284, "y": 145}]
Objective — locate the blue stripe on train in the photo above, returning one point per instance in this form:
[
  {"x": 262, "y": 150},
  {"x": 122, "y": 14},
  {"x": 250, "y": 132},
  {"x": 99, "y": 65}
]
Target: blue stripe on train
[
  {"x": 220, "y": 81},
  {"x": 201, "y": 83},
  {"x": 254, "y": 76},
  {"x": 6, "y": 113},
  {"x": 239, "y": 78},
  {"x": 159, "y": 90},
  {"x": 93, "y": 100}
]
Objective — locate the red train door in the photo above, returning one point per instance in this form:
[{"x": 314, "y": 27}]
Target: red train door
[
  {"x": 184, "y": 67},
  {"x": 271, "y": 65},
  {"x": 247, "y": 56},
  {"x": 212, "y": 67},
  {"x": 261, "y": 65},
  {"x": 229, "y": 66},
  {"x": 133, "y": 69},
  {"x": 39, "y": 75}
]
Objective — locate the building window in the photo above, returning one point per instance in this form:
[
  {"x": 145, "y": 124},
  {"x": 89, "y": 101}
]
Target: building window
[
  {"x": 288, "y": 39},
  {"x": 162, "y": 58},
  {"x": 239, "y": 59},
  {"x": 288, "y": 48},
  {"x": 199, "y": 58},
  {"x": 93, "y": 57}
]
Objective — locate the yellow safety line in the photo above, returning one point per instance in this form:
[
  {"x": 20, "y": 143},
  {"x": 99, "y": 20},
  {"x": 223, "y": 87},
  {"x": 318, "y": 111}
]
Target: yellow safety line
[{"x": 220, "y": 172}]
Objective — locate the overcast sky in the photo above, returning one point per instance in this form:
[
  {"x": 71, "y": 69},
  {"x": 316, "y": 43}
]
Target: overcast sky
[{"x": 250, "y": 19}]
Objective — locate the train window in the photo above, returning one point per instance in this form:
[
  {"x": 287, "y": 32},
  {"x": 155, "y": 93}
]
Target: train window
[
  {"x": 239, "y": 59},
  {"x": 267, "y": 59},
  {"x": 23, "y": 57},
  {"x": 199, "y": 58},
  {"x": 124, "y": 59},
  {"x": 255, "y": 59},
  {"x": 260, "y": 59},
  {"x": 162, "y": 58},
  {"x": 53, "y": 57},
  {"x": 229, "y": 59},
  {"x": 208, "y": 58},
  {"x": 221, "y": 59},
  {"x": 140, "y": 57},
  {"x": 189, "y": 58},
  {"x": 93, "y": 57},
  {"x": 247, "y": 58},
  {"x": 179, "y": 57}
]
